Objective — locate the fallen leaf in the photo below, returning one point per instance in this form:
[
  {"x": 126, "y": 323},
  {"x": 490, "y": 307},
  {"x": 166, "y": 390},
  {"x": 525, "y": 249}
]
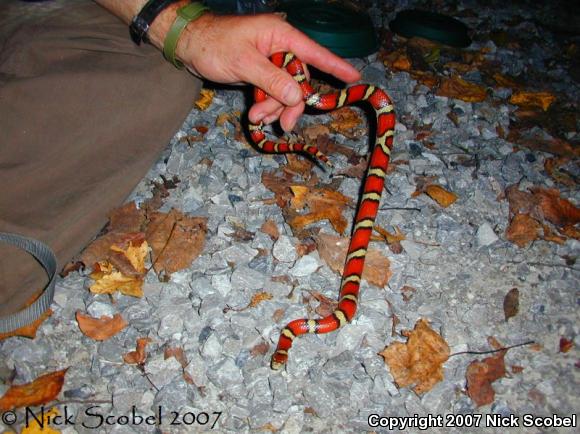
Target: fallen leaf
[
  {"x": 205, "y": 99},
  {"x": 570, "y": 232},
  {"x": 175, "y": 239},
  {"x": 440, "y": 195},
  {"x": 419, "y": 362},
  {"x": 135, "y": 254},
  {"x": 480, "y": 375},
  {"x": 503, "y": 80},
  {"x": 458, "y": 88},
  {"x": 259, "y": 298},
  {"x": 127, "y": 218},
  {"x": 139, "y": 355},
  {"x": 278, "y": 315},
  {"x": 177, "y": 353},
  {"x": 312, "y": 132},
  {"x": 333, "y": 251},
  {"x": 40, "y": 423},
  {"x": 269, "y": 227},
  {"x": 427, "y": 78},
  {"x": 550, "y": 235},
  {"x": 553, "y": 167},
  {"x": 100, "y": 329},
  {"x": 326, "y": 305},
  {"x": 260, "y": 349},
  {"x": 40, "y": 391},
  {"x": 407, "y": 292},
  {"x": 299, "y": 165},
  {"x": 555, "y": 209},
  {"x": 346, "y": 121},
  {"x": 100, "y": 249},
  {"x": 527, "y": 99},
  {"x": 108, "y": 280},
  {"x": 565, "y": 345},
  {"x": 279, "y": 184},
  {"x": 522, "y": 230},
  {"x": 323, "y": 204},
  {"x": 398, "y": 60},
  {"x": 511, "y": 303},
  {"x": 389, "y": 237}
]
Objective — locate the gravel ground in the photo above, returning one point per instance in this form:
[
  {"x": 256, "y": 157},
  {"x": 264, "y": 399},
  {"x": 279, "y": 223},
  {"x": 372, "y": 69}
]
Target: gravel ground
[{"x": 457, "y": 258}]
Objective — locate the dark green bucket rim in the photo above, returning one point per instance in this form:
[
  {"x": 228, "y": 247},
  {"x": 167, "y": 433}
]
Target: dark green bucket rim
[
  {"x": 430, "y": 25},
  {"x": 342, "y": 30}
]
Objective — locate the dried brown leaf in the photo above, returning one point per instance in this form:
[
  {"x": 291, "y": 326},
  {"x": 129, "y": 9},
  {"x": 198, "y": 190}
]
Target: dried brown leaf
[
  {"x": 40, "y": 391},
  {"x": 553, "y": 166},
  {"x": 177, "y": 353},
  {"x": 323, "y": 204},
  {"x": 480, "y": 375},
  {"x": 565, "y": 345},
  {"x": 175, "y": 239},
  {"x": 333, "y": 251},
  {"x": 419, "y": 362},
  {"x": 346, "y": 121},
  {"x": 326, "y": 305},
  {"x": 522, "y": 230},
  {"x": 458, "y": 88},
  {"x": 139, "y": 355},
  {"x": 269, "y": 227},
  {"x": 440, "y": 195},
  {"x": 260, "y": 349},
  {"x": 555, "y": 209},
  {"x": 100, "y": 329},
  {"x": 511, "y": 303}
]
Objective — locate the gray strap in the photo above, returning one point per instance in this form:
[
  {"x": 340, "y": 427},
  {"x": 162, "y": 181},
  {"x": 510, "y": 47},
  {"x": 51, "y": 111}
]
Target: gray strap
[{"x": 48, "y": 261}]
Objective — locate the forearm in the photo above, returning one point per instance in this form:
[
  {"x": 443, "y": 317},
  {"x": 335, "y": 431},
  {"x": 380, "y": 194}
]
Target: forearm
[{"x": 127, "y": 9}]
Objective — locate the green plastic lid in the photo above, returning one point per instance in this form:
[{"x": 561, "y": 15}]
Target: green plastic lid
[
  {"x": 342, "y": 30},
  {"x": 430, "y": 25}
]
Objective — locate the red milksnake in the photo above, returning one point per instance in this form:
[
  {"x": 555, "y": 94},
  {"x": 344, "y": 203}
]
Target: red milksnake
[{"x": 369, "y": 205}]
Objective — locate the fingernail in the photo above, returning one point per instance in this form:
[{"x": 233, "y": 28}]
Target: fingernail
[
  {"x": 257, "y": 117},
  {"x": 292, "y": 95}
]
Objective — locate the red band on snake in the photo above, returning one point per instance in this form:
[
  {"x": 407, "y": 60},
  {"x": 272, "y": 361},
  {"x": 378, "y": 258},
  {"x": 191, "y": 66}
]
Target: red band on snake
[{"x": 369, "y": 204}]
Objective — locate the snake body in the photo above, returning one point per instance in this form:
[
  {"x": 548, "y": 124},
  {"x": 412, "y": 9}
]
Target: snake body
[{"x": 369, "y": 204}]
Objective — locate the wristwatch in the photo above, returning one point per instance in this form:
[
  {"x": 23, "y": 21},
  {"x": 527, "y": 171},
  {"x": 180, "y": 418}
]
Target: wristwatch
[{"x": 142, "y": 21}]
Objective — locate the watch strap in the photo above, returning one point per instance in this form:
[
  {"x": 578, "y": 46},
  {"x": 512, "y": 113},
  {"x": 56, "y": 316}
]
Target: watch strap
[
  {"x": 142, "y": 21},
  {"x": 185, "y": 15}
]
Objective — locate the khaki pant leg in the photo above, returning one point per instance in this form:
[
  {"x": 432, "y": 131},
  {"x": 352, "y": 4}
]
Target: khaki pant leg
[{"x": 84, "y": 113}]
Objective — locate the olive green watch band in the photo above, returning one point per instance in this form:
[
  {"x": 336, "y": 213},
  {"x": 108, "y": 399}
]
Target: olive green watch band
[{"x": 185, "y": 15}]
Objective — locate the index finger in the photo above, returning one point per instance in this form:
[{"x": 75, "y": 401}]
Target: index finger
[{"x": 318, "y": 56}]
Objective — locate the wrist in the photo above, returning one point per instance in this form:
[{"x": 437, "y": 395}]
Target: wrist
[{"x": 163, "y": 22}]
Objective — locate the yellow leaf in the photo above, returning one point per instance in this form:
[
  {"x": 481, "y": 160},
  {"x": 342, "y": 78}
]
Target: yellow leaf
[
  {"x": 541, "y": 100},
  {"x": 205, "y": 99},
  {"x": 135, "y": 254},
  {"x": 440, "y": 195},
  {"x": 109, "y": 283},
  {"x": 259, "y": 297},
  {"x": 35, "y": 428}
]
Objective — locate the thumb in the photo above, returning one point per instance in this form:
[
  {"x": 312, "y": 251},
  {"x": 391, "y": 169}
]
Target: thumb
[{"x": 274, "y": 81}]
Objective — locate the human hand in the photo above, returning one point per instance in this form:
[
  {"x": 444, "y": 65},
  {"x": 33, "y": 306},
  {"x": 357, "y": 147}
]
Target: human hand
[{"x": 234, "y": 49}]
